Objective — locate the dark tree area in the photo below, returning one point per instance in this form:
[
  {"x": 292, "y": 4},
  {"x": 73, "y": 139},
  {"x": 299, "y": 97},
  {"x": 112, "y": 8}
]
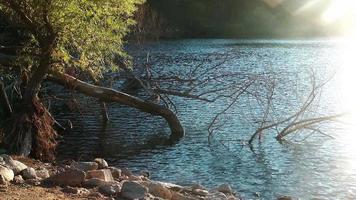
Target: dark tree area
[{"x": 228, "y": 18}]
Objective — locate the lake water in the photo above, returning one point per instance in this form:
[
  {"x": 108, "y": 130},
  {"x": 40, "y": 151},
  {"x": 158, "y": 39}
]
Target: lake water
[{"x": 315, "y": 168}]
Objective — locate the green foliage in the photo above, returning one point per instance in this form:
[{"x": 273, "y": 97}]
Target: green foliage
[{"x": 89, "y": 33}]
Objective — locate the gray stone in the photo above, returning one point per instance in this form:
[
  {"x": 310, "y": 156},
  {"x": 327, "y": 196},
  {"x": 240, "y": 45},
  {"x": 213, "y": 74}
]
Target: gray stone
[
  {"x": 225, "y": 188},
  {"x": 133, "y": 190},
  {"x": 42, "y": 173},
  {"x": 93, "y": 182},
  {"x": 216, "y": 196},
  {"x": 110, "y": 189},
  {"x": 103, "y": 174},
  {"x": 84, "y": 166},
  {"x": 71, "y": 177},
  {"x": 29, "y": 173},
  {"x": 6, "y": 173},
  {"x": 102, "y": 164}
]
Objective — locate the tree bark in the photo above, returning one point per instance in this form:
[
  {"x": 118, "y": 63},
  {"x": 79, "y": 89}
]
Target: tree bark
[{"x": 111, "y": 95}]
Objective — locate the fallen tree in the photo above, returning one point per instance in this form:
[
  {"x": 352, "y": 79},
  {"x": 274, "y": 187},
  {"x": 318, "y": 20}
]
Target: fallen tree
[{"x": 110, "y": 95}]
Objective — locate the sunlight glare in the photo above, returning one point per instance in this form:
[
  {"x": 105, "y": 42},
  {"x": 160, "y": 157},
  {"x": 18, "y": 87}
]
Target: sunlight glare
[
  {"x": 347, "y": 83},
  {"x": 342, "y": 12}
]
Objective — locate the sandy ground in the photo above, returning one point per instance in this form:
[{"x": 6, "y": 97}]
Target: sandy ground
[{"x": 23, "y": 192}]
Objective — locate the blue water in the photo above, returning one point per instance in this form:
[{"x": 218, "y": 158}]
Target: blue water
[{"x": 316, "y": 168}]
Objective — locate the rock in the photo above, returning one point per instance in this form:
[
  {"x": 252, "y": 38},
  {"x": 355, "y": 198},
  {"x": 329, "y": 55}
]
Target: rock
[
  {"x": 110, "y": 189},
  {"x": 29, "y": 173},
  {"x": 133, "y": 190},
  {"x": 145, "y": 178},
  {"x": 179, "y": 196},
  {"x": 34, "y": 182},
  {"x": 159, "y": 190},
  {"x": 14, "y": 165},
  {"x": 232, "y": 197},
  {"x": 134, "y": 178},
  {"x": 225, "y": 188},
  {"x": 73, "y": 190},
  {"x": 200, "y": 192},
  {"x": 93, "y": 182},
  {"x": 126, "y": 172},
  {"x": 116, "y": 172},
  {"x": 6, "y": 173},
  {"x": 84, "y": 166},
  {"x": 145, "y": 174},
  {"x": 257, "y": 194},
  {"x": 172, "y": 186},
  {"x": 71, "y": 177},
  {"x": 103, "y": 174},
  {"x": 42, "y": 173},
  {"x": 197, "y": 186},
  {"x": 18, "y": 180},
  {"x": 216, "y": 196},
  {"x": 96, "y": 195},
  {"x": 285, "y": 198},
  {"x": 3, "y": 182},
  {"x": 102, "y": 164}
]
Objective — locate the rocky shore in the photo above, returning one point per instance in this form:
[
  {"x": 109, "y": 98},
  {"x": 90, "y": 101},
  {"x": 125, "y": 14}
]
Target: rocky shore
[
  {"x": 24, "y": 178},
  {"x": 92, "y": 180}
]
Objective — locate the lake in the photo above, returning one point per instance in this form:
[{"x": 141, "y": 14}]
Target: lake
[{"x": 315, "y": 167}]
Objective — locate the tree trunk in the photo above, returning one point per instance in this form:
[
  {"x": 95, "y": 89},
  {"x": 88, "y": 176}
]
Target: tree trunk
[
  {"x": 30, "y": 129},
  {"x": 111, "y": 95}
]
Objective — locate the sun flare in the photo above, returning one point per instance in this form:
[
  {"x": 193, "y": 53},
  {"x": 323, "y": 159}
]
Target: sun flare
[{"x": 342, "y": 14}]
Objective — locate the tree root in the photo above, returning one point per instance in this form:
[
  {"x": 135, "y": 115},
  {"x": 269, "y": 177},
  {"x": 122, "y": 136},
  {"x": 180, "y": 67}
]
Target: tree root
[{"x": 30, "y": 132}]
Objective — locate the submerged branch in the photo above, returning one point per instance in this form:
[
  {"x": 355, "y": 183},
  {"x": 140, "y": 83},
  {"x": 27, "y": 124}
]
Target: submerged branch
[{"x": 110, "y": 95}]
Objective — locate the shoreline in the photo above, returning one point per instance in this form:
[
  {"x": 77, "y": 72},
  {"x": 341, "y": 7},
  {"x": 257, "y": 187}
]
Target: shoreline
[{"x": 25, "y": 178}]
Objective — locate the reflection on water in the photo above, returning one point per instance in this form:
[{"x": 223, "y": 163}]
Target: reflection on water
[
  {"x": 320, "y": 167},
  {"x": 346, "y": 81}
]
